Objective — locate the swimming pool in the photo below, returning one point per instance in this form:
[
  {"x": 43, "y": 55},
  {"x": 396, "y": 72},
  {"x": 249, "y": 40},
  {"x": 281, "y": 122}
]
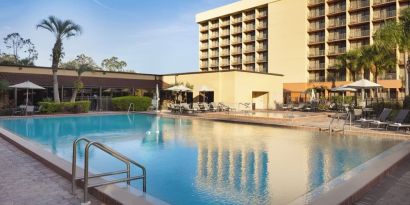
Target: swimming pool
[{"x": 206, "y": 162}]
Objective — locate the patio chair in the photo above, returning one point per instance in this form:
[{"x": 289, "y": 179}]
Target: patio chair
[
  {"x": 399, "y": 120},
  {"x": 185, "y": 108},
  {"x": 30, "y": 110},
  {"x": 38, "y": 109},
  {"x": 382, "y": 118},
  {"x": 205, "y": 107},
  {"x": 213, "y": 107},
  {"x": 17, "y": 111},
  {"x": 226, "y": 108},
  {"x": 196, "y": 107},
  {"x": 287, "y": 106},
  {"x": 357, "y": 114},
  {"x": 299, "y": 107}
]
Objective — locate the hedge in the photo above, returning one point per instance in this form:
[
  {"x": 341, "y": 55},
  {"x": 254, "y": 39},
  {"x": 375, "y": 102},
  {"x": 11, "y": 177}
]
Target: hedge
[
  {"x": 65, "y": 107},
  {"x": 122, "y": 103}
]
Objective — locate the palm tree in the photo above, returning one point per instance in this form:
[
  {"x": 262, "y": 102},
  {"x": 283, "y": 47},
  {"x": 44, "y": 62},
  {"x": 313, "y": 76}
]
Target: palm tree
[
  {"x": 397, "y": 34},
  {"x": 349, "y": 61},
  {"x": 78, "y": 84},
  {"x": 62, "y": 29}
]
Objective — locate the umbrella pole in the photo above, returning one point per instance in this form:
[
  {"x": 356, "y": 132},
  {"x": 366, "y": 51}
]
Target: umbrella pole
[{"x": 26, "y": 101}]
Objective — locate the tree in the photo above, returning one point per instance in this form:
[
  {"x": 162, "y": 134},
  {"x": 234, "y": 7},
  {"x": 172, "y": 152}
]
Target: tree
[
  {"x": 14, "y": 42},
  {"x": 81, "y": 64},
  {"x": 349, "y": 61},
  {"x": 31, "y": 51},
  {"x": 4, "y": 86},
  {"x": 62, "y": 29},
  {"x": 397, "y": 34},
  {"x": 113, "y": 64}
]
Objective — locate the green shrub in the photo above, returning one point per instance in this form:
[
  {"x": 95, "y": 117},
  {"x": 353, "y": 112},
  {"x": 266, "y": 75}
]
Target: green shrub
[
  {"x": 406, "y": 102},
  {"x": 339, "y": 99},
  {"x": 122, "y": 103},
  {"x": 65, "y": 107}
]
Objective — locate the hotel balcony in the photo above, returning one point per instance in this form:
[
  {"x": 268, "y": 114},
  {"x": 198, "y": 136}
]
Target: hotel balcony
[
  {"x": 262, "y": 37},
  {"x": 226, "y": 33},
  {"x": 320, "y": 66},
  {"x": 236, "y": 31},
  {"x": 337, "y": 37},
  {"x": 377, "y": 3},
  {"x": 316, "y": 28},
  {"x": 313, "y": 3},
  {"x": 337, "y": 24},
  {"x": 214, "y": 65},
  {"x": 337, "y": 51},
  {"x": 249, "y": 61},
  {"x": 387, "y": 76},
  {"x": 336, "y": 10},
  {"x": 214, "y": 46},
  {"x": 204, "y": 57},
  {"x": 236, "y": 52},
  {"x": 318, "y": 53},
  {"x": 249, "y": 39},
  {"x": 357, "y": 5},
  {"x": 332, "y": 77},
  {"x": 249, "y": 28},
  {"x": 360, "y": 34},
  {"x": 263, "y": 14},
  {"x": 225, "y": 63},
  {"x": 263, "y": 25},
  {"x": 204, "y": 37},
  {"x": 214, "y": 55},
  {"x": 236, "y": 62},
  {"x": 317, "y": 40},
  {"x": 204, "y": 65},
  {"x": 214, "y": 26},
  {"x": 317, "y": 79},
  {"x": 249, "y": 50},
  {"x": 224, "y": 43},
  {"x": 262, "y": 60},
  {"x": 359, "y": 19},
  {"x": 384, "y": 15},
  {"x": 237, "y": 20},
  {"x": 214, "y": 36},
  {"x": 262, "y": 48},
  {"x": 225, "y": 23},
  {"x": 204, "y": 28},
  {"x": 225, "y": 53},
  {"x": 249, "y": 17},
  {"x": 315, "y": 15},
  {"x": 204, "y": 47}
]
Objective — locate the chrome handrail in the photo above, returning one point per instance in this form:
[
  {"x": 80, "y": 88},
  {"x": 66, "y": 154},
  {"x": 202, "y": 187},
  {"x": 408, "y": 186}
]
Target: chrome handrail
[
  {"x": 129, "y": 107},
  {"x": 114, "y": 154}
]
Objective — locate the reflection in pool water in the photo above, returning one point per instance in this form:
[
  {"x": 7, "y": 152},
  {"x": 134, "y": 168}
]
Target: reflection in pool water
[{"x": 206, "y": 162}]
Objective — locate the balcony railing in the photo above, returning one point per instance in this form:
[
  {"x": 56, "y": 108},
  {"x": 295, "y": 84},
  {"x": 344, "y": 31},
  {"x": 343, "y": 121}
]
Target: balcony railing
[
  {"x": 204, "y": 28},
  {"x": 237, "y": 41},
  {"x": 262, "y": 25},
  {"x": 263, "y": 14},
  {"x": 224, "y": 43},
  {"x": 337, "y": 23},
  {"x": 225, "y": 23},
  {"x": 204, "y": 65},
  {"x": 385, "y": 14},
  {"x": 249, "y": 28},
  {"x": 214, "y": 55},
  {"x": 235, "y": 31},
  {"x": 317, "y": 79},
  {"x": 225, "y": 53},
  {"x": 251, "y": 60},
  {"x": 249, "y": 17},
  {"x": 204, "y": 56},
  {"x": 359, "y": 19},
  {"x": 317, "y": 27},
  {"x": 237, "y": 20},
  {"x": 225, "y": 63},
  {"x": 317, "y": 53},
  {"x": 262, "y": 36},
  {"x": 261, "y": 60},
  {"x": 319, "y": 66},
  {"x": 262, "y": 48},
  {"x": 214, "y": 45},
  {"x": 317, "y": 39},
  {"x": 337, "y": 9},
  {"x": 316, "y": 13},
  {"x": 204, "y": 47},
  {"x": 225, "y": 33},
  {"x": 378, "y": 2},
  {"x": 359, "y": 4},
  {"x": 249, "y": 50},
  {"x": 236, "y": 62},
  {"x": 337, "y": 51},
  {"x": 249, "y": 39},
  {"x": 204, "y": 37},
  {"x": 315, "y": 2},
  {"x": 214, "y": 64},
  {"x": 337, "y": 37},
  {"x": 362, "y": 33},
  {"x": 234, "y": 52}
]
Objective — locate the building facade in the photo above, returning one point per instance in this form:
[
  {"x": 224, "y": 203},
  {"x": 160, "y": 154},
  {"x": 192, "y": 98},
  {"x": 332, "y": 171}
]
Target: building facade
[{"x": 300, "y": 39}]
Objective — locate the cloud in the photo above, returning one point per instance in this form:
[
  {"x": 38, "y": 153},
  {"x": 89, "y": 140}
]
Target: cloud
[
  {"x": 99, "y": 3},
  {"x": 6, "y": 28}
]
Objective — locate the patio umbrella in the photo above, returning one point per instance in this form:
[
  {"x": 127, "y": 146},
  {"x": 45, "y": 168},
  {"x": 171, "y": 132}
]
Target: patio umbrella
[
  {"x": 363, "y": 84},
  {"x": 28, "y": 86},
  {"x": 179, "y": 88},
  {"x": 157, "y": 96},
  {"x": 343, "y": 89},
  {"x": 312, "y": 95},
  {"x": 204, "y": 89}
]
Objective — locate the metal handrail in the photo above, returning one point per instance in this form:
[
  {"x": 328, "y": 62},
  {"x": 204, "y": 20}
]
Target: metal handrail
[
  {"x": 129, "y": 107},
  {"x": 114, "y": 154}
]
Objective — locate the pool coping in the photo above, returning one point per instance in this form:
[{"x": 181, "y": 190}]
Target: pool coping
[
  {"x": 352, "y": 185},
  {"x": 110, "y": 194},
  {"x": 355, "y": 182}
]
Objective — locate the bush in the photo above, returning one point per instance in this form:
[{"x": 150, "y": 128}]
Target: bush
[
  {"x": 65, "y": 107},
  {"x": 339, "y": 99},
  {"x": 122, "y": 103},
  {"x": 406, "y": 102}
]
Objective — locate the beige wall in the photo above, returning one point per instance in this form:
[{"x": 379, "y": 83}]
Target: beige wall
[
  {"x": 287, "y": 34},
  {"x": 234, "y": 87}
]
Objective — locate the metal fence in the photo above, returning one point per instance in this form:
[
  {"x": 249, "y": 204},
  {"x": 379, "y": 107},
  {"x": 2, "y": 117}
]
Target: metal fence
[{"x": 100, "y": 104}]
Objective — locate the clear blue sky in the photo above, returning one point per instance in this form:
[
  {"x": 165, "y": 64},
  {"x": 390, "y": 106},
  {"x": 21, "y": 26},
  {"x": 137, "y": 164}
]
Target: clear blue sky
[{"x": 152, "y": 36}]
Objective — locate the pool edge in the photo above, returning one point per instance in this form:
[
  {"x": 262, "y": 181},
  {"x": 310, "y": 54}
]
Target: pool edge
[
  {"x": 111, "y": 194},
  {"x": 352, "y": 185}
]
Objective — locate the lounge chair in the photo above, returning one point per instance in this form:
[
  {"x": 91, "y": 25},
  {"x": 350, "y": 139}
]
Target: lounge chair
[
  {"x": 399, "y": 120},
  {"x": 38, "y": 109},
  {"x": 382, "y": 118},
  {"x": 205, "y": 107},
  {"x": 287, "y": 106},
  {"x": 185, "y": 108},
  {"x": 226, "y": 108},
  {"x": 196, "y": 107},
  {"x": 299, "y": 107},
  {"x": 30, "y": 109},
  {"x": 214, "y": 107}
]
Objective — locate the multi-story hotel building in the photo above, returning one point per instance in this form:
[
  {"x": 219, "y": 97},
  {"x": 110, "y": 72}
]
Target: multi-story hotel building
[{"x": 298, "y": 38}]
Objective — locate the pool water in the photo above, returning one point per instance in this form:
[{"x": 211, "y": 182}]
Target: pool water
[
  {"x": 205, "y": 162},
  {"x": 269, "y": 114}
]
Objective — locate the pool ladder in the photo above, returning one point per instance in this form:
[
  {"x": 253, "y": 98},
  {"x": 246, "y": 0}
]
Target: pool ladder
[
  {"x": 338, "y": 116},
  {"x": 131, "y": 106},
  {"x": 85, "y": 179}
]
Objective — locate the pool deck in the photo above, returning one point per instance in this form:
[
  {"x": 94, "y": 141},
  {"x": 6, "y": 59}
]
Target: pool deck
[{"x": 26, "y": 181}]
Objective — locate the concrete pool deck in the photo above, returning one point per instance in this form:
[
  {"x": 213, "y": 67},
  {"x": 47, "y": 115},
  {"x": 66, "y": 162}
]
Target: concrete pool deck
[{"x": 309, "y": 123}]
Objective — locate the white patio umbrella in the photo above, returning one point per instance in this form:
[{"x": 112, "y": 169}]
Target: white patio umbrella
[
  {"x": 343, "y": 89},
  {"x": 179, "y": 88},
  {"x": 363, "y": 84},
  {"x": 157, "y": 96},
  {"x": 312, "y": 95},
  {"x": 28, "y": 86},
  {"x": 203, "y": 89}
]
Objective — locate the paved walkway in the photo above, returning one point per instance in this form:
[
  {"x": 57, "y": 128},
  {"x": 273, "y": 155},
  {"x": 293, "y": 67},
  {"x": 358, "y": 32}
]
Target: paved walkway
[
  {"x": 394, "y": 189},
  {"x": 26, "y": 181}
]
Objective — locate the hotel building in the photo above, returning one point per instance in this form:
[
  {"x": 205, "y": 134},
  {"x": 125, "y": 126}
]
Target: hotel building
[{"x": 298, "y": 38}]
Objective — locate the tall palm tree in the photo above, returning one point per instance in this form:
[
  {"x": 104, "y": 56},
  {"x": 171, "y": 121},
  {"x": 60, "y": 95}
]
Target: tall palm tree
[
  {"x": 349, "y": 61},
  {"x": 397, "y": 34},
  {"x": 78, "y": 84},
  {"x": 62, "y": 29}
]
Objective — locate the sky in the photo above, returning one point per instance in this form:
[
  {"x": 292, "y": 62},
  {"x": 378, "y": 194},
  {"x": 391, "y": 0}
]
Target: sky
[{"x": 152, "y": 36}]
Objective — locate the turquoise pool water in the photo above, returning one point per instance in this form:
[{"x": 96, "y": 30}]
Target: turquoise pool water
[{"x": 205, "y": 162}]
